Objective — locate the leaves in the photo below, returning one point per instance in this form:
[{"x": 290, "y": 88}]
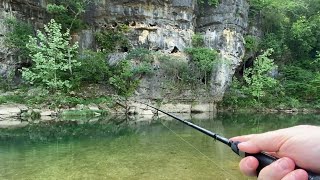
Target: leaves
[
  {"x": 53, "y": 58},
  {"x": 257, "y": 79},
  {"x": 18, "y": 36}
]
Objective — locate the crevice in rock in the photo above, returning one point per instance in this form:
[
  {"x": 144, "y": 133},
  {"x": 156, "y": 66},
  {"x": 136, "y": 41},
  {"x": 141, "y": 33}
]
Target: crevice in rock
[
  {"x": 175, "y": 50},
  {"x": 124, "y": 49},
  {"x": 114, "y": 24},
  {"x": 153, "y": 24}
]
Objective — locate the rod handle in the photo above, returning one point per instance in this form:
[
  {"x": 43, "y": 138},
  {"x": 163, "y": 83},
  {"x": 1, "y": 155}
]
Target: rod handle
[{"x": 266, "y": 159}]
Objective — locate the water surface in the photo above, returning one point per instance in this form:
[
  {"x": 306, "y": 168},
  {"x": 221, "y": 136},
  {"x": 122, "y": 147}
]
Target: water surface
[{"x": 158, "y": 149}]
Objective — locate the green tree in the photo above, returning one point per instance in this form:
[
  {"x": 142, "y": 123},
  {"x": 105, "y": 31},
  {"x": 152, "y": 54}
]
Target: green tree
[
  {"x": 68, "y": 13},
  {"x": 123, "y": 78},
  {"x": 303, "y": 38},
  {"x": 257, "y": 79},
  {"x": 53, "y": 58}
]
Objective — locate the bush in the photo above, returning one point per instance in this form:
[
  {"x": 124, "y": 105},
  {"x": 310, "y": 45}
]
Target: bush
[
  {"x": 179, "y": 71},
  {"x": 197, "y": 41},
  {"x": 113, "y": 40},
  {"x": 204, "y": 59},
  {"x": 93, "y": 67},
  {"x": 123, "y": 78}
]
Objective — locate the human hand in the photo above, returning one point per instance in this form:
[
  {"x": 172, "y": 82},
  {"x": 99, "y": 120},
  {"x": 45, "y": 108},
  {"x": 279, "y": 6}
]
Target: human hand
[{"x": 293, "y": 146}]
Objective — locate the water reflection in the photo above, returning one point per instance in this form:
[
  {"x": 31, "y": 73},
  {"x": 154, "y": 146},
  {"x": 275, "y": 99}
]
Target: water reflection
[{"x": 120, "y": 148}]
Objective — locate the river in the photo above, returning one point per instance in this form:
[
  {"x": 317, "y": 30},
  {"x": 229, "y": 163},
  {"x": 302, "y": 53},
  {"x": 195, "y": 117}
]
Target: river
[{"x": 124, "y": 149}]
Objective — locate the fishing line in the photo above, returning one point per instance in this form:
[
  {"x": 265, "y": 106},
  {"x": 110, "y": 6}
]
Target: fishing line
[
  {"x": 263, "y": 158},
  {"x": 226, "y": 172}
]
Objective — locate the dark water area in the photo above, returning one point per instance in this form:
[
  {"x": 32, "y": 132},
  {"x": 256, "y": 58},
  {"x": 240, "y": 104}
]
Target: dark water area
[{"x": 126, "y": 149}]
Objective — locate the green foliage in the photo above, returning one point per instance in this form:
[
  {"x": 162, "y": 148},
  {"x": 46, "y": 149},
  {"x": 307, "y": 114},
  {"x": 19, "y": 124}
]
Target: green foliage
[
  {"x": 315, "y": 86},
  {"x": 257, "y": 86},
  {"x": 273, "y": 41},
  {"x": 197, "y": 40},
  {"x": 53, "y": 58},
  {"x": 297, "y": 82},
  {"x": 125, "y": 75},
  {"x": 179, "y": 72},
  {"x": 213, "y": 3},
  {"x": 204, "y": 59},
  {"x": 68, "y": 13},
  {"x": 302, "y": 38},
  {"x": 113, "y": 40},
  {"x": 292, "y": 29},
  {"x": 81, "y": 113},
  {"x": 93, "y": 68},
  {"x": 18, "y": 36},
  {"x": 257, "y": 79},
  {"x": 251, "y": 43},
  {"x": 7, "y": 82},
  {"x": 123, "y": 78}
]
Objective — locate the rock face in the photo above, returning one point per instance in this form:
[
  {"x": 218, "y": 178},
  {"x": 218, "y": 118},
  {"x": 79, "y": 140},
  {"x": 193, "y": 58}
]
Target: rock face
[
  {"x": 224, "y": 28},
  {"x": 160, "y": 25},
  {"x": 28, "y": 11},
  {"x": 156, "y": 24}
]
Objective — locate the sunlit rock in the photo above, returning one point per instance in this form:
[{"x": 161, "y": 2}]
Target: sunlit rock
[{"x": 12, "y": 124}]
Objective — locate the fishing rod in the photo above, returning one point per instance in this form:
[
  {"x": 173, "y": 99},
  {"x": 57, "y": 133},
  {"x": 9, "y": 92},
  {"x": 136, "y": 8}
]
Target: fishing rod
[{"x": 263, "y": 158}]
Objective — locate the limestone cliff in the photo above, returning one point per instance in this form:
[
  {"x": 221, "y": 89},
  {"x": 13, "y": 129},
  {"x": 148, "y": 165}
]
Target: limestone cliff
[{"x": 159, "y": 25}]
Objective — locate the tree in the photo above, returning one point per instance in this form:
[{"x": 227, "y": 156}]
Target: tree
[
  {"x": 257, "y": 79},
  {"x": 53, "y": 58},
  {"x": 68, "y": 12}
]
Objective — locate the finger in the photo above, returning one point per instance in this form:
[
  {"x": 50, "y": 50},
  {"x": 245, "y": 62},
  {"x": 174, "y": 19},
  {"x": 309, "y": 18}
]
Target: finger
[
  {"x": 270, "y": 141},
  {"x": 296, "y": 174},
  {"x": 248, "y": 166},
  {"x": 277, "y": 170},
  {"x": 242, "y": 138}
]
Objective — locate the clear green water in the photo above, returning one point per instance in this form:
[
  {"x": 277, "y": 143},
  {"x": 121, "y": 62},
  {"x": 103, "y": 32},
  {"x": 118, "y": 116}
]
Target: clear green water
[{"x": 128, "y": 150}]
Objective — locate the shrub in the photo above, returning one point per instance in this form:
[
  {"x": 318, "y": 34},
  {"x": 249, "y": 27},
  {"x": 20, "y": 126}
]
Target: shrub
[
  {"x": 179, "y": 71},
  {"x": 93, "y": 67},
  {"x": 113, "y": 40},
  {"x": 123, "y": 78},
  {"x": 204, "y": 59},
  {"x": 197, "y": 40}
]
